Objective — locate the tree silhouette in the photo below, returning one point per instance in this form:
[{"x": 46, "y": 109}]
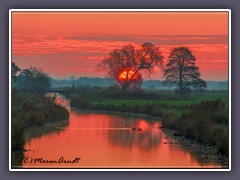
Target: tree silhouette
[
  {"x": 33, "y": 80},
  {"x": 124, "y": 65},
  {"x": 181, "y": 70},
  {"x": 15, "y": 70}
]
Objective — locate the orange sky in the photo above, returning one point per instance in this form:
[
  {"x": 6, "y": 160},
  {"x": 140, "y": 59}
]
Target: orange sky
[{"x": 66, "y": 44}]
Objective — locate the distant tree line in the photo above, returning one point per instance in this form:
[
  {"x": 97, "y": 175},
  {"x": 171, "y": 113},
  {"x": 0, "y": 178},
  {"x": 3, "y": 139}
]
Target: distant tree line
[{"x": 90, "y": 82}]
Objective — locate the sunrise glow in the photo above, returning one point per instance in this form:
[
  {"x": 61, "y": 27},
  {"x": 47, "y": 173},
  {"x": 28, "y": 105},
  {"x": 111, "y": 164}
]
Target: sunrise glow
[
  {"x": 72, "y": 43},
  {"x": 126, "y": 75}
]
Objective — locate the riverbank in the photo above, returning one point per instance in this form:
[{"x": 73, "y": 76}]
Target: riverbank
[
  {"x": 38, "y": 131},
  {"x": 203, "y": 153},
  {"x": 154, "y": 103},
  {"x": 31, "y": 110},
  {"x": 206, "y": 123},
  {"x": 203, "y": 119}
]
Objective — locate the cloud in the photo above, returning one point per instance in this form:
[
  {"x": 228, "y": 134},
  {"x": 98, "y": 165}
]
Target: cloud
[
  {"x": 157, "y": 39},
  {"x": 69, "y": 69},
  {"x": 101, "y": 45},
  {"x": 83, "y": 52}
]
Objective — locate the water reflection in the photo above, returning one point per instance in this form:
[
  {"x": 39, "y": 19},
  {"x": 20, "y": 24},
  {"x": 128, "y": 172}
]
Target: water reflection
[
  {"x": 107, "y": 140},
  {"x": 146, "y": 139}
]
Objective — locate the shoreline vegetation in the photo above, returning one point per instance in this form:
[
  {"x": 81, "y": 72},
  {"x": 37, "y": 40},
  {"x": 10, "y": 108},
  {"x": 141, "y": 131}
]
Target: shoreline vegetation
[
  {"x": 31, "y": 110},
  {"x": 199, "y": 117}
]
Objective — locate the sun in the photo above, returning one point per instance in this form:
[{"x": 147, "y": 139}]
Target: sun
[{"x": 126, "y": 74}]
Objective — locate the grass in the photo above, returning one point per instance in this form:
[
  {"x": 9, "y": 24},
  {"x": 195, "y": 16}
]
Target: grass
[
  {"x": 143, "y": 102},
  {"x": 151, "y": 107},
  {"x": 206, "y": 122},
  {"x": 149, "y": 102},
  {"x": 30, "y": 110}
]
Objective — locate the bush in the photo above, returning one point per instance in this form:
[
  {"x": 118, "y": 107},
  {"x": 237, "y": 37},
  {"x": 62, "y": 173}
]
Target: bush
[
  {"x": 35, "y": 118},
  {"x": 16, "y": 134},
  {"x": 205, "y": 122}
]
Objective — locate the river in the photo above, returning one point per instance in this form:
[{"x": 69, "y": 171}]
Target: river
[{"x": 97, "y": 139}]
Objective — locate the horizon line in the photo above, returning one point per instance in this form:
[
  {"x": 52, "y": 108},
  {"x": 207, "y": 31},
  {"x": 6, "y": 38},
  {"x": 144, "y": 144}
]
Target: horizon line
[{"x": 91, "y": 77}]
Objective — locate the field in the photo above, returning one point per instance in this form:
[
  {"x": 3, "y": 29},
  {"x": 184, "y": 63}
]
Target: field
[{"x": 149, "y": 102}]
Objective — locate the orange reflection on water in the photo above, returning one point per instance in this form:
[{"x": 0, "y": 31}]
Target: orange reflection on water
[
  {"x": 144, "y": 125},
  {"x": 104, "y": 140}
]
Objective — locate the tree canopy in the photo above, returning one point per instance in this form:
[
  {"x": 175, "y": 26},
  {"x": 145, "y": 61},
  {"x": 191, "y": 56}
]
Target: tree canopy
[
  {"x": 34, "y": 80},
  {"x": 181, "y": 70},
  {"x": 124, "y": 65},
  {"x": 15, "y": 70}
]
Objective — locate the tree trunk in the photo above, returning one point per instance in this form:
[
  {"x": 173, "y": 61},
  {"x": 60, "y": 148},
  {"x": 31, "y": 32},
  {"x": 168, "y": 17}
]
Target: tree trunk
[
  {"x": 124, "y": 87},
  {"x": 180, "y": 80}
]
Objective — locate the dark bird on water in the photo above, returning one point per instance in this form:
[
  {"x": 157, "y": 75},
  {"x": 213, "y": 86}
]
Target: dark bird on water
[{"x": 136, "y": 129}]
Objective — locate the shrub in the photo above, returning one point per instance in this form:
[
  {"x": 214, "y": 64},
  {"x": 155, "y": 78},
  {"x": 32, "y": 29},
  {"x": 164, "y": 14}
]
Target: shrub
[{"x": 203, "y": 123}]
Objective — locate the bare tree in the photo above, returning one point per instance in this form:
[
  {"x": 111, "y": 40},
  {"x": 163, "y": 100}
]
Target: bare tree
[
  {"x": 181, "y": 70},
  {"x": 124, "y": 65}
]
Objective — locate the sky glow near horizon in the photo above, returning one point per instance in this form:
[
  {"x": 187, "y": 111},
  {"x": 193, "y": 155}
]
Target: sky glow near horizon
[{"x": 68, "y": 44}]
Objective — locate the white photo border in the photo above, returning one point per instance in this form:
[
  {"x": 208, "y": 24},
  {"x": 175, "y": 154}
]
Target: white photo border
[{"x": 121, "y": 10}]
